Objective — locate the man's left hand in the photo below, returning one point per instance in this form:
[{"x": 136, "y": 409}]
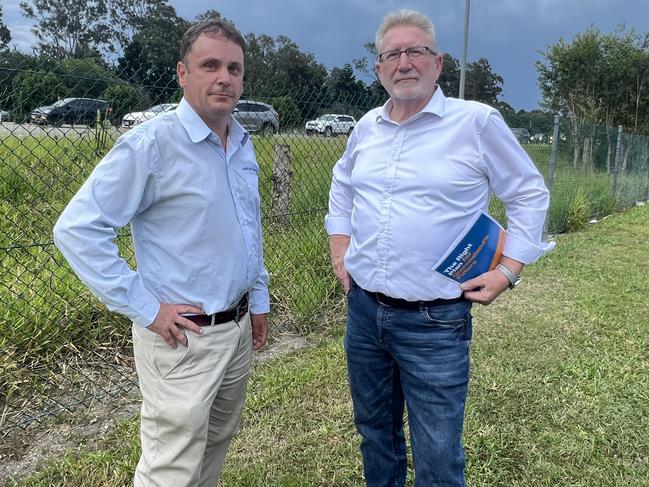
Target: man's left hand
[
  {"x": 259, "y": 330},
  {"x": 486, "y": 287}
]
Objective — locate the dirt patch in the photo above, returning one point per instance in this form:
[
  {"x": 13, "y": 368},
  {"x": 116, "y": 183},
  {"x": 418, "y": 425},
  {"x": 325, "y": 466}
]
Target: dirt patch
[{"x": 27, "y": 452}]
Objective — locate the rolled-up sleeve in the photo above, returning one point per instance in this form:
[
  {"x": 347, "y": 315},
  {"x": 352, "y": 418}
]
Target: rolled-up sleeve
[{"x": 514, "y": 179}]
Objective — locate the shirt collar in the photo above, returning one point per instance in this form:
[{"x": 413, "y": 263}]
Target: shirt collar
[
  {"x": 198, "y": 130},
  {"x": 434, "y": 106}
]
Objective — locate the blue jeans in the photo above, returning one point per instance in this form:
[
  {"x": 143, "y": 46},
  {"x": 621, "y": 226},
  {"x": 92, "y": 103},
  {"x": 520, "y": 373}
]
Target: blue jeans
[{"x": 419, "y": 357}]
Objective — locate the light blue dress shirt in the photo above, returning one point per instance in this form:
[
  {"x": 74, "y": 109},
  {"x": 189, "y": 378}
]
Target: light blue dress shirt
[
  {"x": 194, "y": 211},
  {"x": 404, "y": 192}
]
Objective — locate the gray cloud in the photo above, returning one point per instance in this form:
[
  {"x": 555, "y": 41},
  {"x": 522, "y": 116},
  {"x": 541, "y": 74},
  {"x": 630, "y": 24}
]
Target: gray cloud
[{"x": 509, "y": 33}]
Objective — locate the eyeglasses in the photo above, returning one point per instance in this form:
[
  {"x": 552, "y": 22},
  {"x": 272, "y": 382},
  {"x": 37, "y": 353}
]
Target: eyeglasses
[{"x": 411, "y": 52}]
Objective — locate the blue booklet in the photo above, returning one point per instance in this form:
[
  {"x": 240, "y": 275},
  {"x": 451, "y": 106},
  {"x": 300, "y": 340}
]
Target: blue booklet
[{"x": 475, "y": 251}]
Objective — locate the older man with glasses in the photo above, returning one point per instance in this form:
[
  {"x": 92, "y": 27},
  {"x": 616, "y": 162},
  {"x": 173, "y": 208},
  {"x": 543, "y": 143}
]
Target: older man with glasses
[{"x": 414, "y": 173}]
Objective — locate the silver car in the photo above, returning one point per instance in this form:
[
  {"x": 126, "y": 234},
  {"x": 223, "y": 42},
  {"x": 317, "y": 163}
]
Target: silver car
[
  {"x": 331, "y": 124},
  {"x": 4, "y": 115},
  {"x": 256, "y": 116},
  {"x": 135, "y": 118}
]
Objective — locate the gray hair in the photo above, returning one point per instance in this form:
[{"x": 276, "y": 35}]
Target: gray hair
[
  {"x": 215, "y": 28},
  {"x": 408, "y": 17}
]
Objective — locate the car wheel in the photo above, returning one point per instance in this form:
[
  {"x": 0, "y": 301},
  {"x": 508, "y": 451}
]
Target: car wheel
[
  {"x": 267, "y": 130},
  {"x": 328, "y": 132},
  {"x": 349, "y": 132}
]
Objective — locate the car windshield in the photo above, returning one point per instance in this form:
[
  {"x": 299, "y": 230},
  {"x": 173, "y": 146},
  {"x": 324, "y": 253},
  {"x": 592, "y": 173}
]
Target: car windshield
[
  {"x": 327, "y": 118},
  {"x": 63, "y": 102}
]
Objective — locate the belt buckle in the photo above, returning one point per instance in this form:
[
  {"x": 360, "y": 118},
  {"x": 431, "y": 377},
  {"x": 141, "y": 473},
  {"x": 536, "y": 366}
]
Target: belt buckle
[{"x": 378, "y": 297}]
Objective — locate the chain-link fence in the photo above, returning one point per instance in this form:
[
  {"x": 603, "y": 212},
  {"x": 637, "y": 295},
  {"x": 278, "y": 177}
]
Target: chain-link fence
[{"x": 61, "y": 349}]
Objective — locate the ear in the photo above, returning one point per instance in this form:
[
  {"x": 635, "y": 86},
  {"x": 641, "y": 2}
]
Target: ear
[
  {"x": 181, "y": 71},
  {"x": 438, "y": 65}
]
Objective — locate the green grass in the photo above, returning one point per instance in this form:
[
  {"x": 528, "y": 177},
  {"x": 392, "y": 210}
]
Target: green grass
[
  {"x": 558, "y": 395},
  {"x": 47, "y": 312}
]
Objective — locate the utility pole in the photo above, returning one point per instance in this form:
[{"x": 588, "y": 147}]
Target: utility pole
[{"x": 466, "y": 41}]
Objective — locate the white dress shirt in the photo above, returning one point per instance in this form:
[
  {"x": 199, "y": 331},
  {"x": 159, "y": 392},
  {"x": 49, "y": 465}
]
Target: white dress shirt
[
  {"x": 404, "y": 192},
  {"x": 195, "y": 220}
]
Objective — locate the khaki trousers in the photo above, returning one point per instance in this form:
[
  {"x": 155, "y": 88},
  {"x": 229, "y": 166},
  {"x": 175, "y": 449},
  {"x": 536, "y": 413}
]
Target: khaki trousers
[{"x": 192, "y": 398}]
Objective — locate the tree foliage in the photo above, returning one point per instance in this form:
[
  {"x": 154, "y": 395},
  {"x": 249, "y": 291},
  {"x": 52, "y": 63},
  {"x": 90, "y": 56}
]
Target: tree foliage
[
  {"x": 481, "y": 82},
  {"x": 150, "y": 58},
  {"x": 33, "y": 89},
  {"x": 65, "y": 26},
  {"x": 128, "y": 17},
  {"x": 598, "y": 78},
  {"x": 88, "y": 77},
  {"x": 278, "y": 66},
  {"x": 289, "y": 113},
  {"x": 124, "y": 98},
  {"x": 5, "y": 35}
]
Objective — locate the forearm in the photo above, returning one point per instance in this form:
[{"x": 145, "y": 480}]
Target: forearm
[
  {"x": 513, "y": 265},
  {"x": 338, "y": 245}
]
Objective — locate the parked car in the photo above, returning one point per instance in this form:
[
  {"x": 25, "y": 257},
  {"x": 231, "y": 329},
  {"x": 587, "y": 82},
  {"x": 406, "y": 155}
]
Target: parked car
[
  {"x": 331, "y": 124},
  {"x": 4, "y": 115},
  {"x": 523, "y": 135},
  {"x": 256, "y": 116},
  {"x": 539, "y": 139},
  {"x": 71, "y": 111},
  {"x": 135, "y": 118}
]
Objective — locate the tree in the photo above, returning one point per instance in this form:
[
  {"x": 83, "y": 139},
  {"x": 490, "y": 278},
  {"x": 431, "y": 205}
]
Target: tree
[
  {"x": 212, "y": 14},
  {"x": 128, "y": 17},
  {"x": 289, "y": 113},
  {"x": 85, "y": 77},
  {"x": 365, "y": 65},
  {"x": 123, "y": 98},
  {"x": 63, "y": 26},
  {"x": 449, "y": 78},
  {"x": 597, "y": 79},
  {"x": 482, "y": 84},
  {"x": 344, "y": 87},
  {"x": 5, "y": 35},
  {"x": 150, "y": 58},
  {"x": 277, "y": 67},
  {"x": 34, "y": 89}
]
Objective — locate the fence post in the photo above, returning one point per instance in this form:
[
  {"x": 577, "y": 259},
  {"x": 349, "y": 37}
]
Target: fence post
[
  {"x": 616, "y": 162},
  {"x": 647, "y": 193},
  {"x": 281, "y": 180},
  {"x": 552, "y": 164}
]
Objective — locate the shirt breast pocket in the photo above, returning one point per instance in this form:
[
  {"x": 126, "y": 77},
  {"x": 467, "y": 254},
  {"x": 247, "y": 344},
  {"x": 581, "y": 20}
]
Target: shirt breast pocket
[{"x": 251, "y": 185}]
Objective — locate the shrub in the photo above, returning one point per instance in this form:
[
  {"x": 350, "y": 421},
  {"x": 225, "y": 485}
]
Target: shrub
[
  {"x": 123, "y": 98},
  {"x": 579, "y": 211}
]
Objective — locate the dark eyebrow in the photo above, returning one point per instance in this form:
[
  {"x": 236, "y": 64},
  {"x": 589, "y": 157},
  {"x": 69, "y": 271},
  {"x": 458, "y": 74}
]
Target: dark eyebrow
[{"x": 210, "y": 60}]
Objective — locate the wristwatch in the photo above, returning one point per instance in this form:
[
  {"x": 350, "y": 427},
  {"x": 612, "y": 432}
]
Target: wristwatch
[{"x": 514, "y": 279}]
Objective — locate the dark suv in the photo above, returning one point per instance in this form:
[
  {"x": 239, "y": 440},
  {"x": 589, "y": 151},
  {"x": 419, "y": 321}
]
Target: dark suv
[{"x": 71, "y": 111}]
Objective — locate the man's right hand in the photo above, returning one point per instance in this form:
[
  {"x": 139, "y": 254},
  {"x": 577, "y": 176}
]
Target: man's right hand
[
  {"x": 168, "y": 323},
  {"x": 338, "y": 245}
]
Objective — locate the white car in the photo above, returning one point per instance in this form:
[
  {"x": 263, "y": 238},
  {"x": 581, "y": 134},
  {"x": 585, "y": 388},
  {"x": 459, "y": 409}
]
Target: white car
[
  {"x": 331, "y": 124},
  {"x": 135, "y": 118},
  {"x": 4, "y": 115}
]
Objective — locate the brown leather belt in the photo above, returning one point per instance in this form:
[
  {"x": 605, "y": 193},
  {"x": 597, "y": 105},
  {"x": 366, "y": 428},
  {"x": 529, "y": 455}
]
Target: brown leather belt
[{"x": 233, "y": 314}]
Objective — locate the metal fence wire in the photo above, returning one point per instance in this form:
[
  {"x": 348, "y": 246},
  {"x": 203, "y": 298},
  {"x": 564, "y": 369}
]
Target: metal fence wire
[{"x": 62, "y": 350}]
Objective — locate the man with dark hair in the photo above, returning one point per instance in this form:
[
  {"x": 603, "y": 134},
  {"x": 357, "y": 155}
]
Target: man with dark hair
[
  {"x": 414, "y": 173},
  {"x": 187, "y": 182}
]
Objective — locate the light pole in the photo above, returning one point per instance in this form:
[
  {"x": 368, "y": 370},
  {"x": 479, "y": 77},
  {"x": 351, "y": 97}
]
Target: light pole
[{"x": 466, "y": 40}]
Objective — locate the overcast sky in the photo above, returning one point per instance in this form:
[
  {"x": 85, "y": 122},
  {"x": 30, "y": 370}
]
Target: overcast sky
[{"x": 509, "y": 33}]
